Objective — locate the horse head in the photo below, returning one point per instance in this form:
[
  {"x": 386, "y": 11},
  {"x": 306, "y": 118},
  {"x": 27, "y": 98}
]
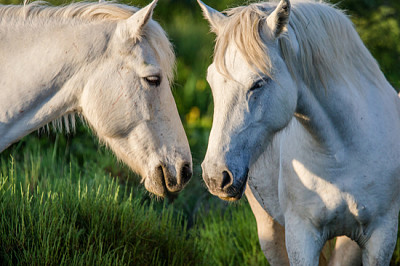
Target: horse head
[
  {"x": 128, "y": 102},
  {"x": 254, "y": 95}
]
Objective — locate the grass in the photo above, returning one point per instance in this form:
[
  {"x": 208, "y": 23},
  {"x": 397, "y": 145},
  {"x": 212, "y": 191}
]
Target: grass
[
  {"x": 91, "y": 219},
  {"x": 61, "y": 209},
  {"x": 230, "y": 237}
]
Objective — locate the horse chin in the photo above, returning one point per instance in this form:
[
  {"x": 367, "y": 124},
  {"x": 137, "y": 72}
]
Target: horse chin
[
  {"x": 235, "y": 197},
  {"x": 231, "y": 199}
]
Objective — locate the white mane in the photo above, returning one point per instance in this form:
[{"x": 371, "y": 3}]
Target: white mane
[
  {"x": 329, "y": 47},
  {"x": 39, "y": 13}
]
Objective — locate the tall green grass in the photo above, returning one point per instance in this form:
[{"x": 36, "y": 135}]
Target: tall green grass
[
  {"x": 58, "y": 210},
  {"x": 75, "y": 219},
  {"x": 230, "y": 237}
]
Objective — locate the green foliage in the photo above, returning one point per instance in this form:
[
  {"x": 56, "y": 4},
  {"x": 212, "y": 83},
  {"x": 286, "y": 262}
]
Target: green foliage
[
  {"x": 381, "y": 33},
  {"x": 378, "y": 23}
]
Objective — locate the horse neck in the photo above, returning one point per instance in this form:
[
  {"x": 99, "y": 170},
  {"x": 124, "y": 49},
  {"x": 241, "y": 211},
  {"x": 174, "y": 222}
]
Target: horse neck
[
  {"x": 343, "y": 116},
  {"x": 42, "y": 75}
]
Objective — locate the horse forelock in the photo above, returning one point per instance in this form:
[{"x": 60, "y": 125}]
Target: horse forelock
[
  {"x": 329, "y": 48},
  {"x": 243, "y": 29},
  {"x": 95, "y": 11}
]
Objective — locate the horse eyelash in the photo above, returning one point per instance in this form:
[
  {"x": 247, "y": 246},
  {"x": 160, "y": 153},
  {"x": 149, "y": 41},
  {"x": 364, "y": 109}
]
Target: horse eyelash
[
  {"x": 260, "y": 83},
  {"x": 154, "y": 80}
]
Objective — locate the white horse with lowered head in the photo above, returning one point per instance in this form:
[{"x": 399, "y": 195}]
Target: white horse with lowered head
[
  {"x": 110, "y": 63},
  {"x": 304, "y": 117}
]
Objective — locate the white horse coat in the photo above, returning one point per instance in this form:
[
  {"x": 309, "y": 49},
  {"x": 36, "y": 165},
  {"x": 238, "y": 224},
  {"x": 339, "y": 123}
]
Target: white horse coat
[
  {"x": 304, "y": 117},
  {"x": 107, "y": 62}
]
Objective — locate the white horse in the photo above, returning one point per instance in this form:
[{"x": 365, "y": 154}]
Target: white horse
[
  {"x": 305, "y": 117},
  {"x": 110, "y": 63}
]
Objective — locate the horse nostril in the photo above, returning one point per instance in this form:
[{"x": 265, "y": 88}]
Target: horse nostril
[
  {"x": 227, "y": 179},
  {"x": 186, "y": 173},
  {"x": 166, "y": 177}
]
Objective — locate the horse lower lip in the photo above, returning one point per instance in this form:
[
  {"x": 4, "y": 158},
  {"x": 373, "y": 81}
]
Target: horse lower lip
[
  {"x": 235, "y": 197},
  {"x": 174, "y": 190},
  {"x": 229, "y": 198}
]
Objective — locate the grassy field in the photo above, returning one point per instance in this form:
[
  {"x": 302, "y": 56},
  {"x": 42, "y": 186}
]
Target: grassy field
[{"x": 92, "y": 212}]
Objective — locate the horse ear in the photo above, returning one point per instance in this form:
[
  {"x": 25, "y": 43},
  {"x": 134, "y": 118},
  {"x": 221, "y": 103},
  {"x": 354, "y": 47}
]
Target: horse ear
[
  {"x": 134, "y": 25},
  {"x": 213, "y": 16},
  {"x": 279, "y": 18}
]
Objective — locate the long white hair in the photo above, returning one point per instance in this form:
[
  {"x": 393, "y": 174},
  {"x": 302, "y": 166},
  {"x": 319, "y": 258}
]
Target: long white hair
[{"x": 329, "y": 47}]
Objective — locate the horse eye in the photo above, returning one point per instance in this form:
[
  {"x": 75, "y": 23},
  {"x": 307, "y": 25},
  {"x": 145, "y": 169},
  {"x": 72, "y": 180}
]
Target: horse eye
[
  {"x": 153, "y": 80},
  {"x": 260, "y": 83}
]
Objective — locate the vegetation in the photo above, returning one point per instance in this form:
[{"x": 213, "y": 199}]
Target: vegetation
[
  {"x": 55, "y": 213},
  {"x": 66, "y": 200},
  {"x": 89, "y": 220}
]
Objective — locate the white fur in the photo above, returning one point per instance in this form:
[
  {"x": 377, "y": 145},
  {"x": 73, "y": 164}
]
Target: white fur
[
  {"x": 319, "y": 137},
  {"x": 93, "y": 59}
]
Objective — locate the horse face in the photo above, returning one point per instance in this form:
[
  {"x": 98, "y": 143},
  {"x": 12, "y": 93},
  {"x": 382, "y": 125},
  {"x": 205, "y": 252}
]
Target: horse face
[
  {"x": 129, "y": 103},
  {"x": 249, "y": 108}
]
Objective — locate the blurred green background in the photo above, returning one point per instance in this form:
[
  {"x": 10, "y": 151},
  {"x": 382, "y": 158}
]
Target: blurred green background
[{"x": 377, "y": 21}]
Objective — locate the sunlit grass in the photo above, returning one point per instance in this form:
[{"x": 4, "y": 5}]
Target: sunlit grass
[
  {"x": 72, "y": 218},
  {"x": 59, "y": 209}
]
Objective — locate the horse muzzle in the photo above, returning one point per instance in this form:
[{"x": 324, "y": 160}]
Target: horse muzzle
[
  {"x": 167, "y": 181},
  {"x": 226, "y": 185}
]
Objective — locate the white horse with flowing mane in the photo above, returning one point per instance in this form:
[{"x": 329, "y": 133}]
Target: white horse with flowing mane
[
  {"x": 110, "y": 63},
  {"x": 304, "y": 116}
]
